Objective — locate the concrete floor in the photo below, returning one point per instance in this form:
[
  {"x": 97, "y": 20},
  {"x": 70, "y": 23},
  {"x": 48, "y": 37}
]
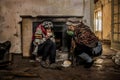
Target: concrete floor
[{"x": 103, "y": 69}]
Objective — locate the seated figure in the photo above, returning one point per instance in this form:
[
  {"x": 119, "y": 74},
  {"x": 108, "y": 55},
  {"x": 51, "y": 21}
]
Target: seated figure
[{"x": 44, "y": 42}]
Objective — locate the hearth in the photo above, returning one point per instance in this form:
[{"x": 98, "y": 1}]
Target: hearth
[{"x": 30, "y": 23}]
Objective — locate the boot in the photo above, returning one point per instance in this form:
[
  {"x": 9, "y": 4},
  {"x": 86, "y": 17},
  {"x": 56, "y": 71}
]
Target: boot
[{"x": 88, "y": 64}]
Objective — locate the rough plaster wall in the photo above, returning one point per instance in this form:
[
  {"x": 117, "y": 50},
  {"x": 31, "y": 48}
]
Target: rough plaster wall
[
  {"x": 107, "y": 21},
  {"x": 10, "y": 11},
  {"x": 87, "y": 10}
]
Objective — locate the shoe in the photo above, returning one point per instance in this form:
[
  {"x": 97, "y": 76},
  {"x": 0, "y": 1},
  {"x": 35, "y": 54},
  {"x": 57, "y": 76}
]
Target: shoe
[
  {"x": 32, "y": 57},
  {"x": 38, "y": 59},
  {"x": 80, "y": 61},
  {"x": 88, "y": 64},
  {"x": 44, "y": 64},
  {"x": 53, "y": 66},
  {"x": 32, "y": 61}
]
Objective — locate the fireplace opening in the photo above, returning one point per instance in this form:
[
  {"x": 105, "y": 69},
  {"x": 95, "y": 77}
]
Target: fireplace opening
[{"x": 58, "y": 40}]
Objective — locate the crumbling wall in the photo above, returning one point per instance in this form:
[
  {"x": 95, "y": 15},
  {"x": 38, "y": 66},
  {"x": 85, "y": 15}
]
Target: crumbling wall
[{"x": 10, "y": 11}]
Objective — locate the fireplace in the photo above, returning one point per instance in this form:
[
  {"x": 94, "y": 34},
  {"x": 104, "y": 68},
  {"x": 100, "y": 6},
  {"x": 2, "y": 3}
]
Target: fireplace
[{"x": 29, "y": 25}]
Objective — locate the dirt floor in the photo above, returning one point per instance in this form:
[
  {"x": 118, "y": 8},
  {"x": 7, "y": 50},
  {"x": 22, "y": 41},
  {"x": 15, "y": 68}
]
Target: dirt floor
[{"x": 104, "y": 68}]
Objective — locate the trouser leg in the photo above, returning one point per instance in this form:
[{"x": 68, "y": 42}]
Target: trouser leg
[
  {"x": 69, "y": 48},
  {"x": 40, "y": 50},
  {"x": 84, "y": 53},
  {"x": 35, "y": 50},
  {"x": 52, "y": 56},
  {"x": 85, "y": 57},
  {"x": 46, "y": 51}
]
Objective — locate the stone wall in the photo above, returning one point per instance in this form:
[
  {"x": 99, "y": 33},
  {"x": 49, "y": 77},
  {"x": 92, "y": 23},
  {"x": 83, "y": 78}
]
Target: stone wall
[{"x": 11, "y": 10}]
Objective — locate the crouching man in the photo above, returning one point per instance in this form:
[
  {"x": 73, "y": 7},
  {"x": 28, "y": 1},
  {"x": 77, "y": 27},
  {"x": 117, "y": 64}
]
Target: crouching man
[{"x": 87, "y": 44}]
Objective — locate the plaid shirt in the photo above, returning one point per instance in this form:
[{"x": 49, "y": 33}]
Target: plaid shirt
[{"x": 85, "y": 36}]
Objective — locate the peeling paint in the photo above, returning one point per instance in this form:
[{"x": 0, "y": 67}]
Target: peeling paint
[
  {"x": 2, "y": 19},
  {"x": 1, "y": 31},
  {"x": 16, "y": 35},
  {"x": 7, "y": 26},
  {"x": 1, "y": 25}
]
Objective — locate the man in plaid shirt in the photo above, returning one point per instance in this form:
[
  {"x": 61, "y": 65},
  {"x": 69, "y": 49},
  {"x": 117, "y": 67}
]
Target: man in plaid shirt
[{"x": 87, "y": 44}]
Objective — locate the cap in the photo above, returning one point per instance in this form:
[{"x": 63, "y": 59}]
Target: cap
[
  {"x": 47, "y": 24},
  {"x": 73, "y": 21}
]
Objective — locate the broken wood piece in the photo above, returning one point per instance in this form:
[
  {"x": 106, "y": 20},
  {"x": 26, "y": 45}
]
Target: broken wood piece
[
  {"x": 24, "y": 69},
  {"x": 25, "y": 74},
  {"x": 6, "y": 77},
  {"x": 17, "y": 74}
]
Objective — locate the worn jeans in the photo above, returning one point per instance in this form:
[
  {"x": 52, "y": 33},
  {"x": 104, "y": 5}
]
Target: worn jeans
[{"x": 87, "y": 53}]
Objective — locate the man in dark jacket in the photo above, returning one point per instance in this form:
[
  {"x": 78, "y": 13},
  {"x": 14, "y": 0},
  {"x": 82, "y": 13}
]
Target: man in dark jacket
[
  {"x": 44, "y": 42},
  {"x": 49, "y": 49}
]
